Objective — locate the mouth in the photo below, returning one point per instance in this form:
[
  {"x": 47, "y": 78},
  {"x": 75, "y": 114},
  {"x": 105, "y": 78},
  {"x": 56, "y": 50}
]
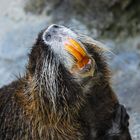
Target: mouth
[
  {"x": 76, "y": 50},
  {"x": 83, "y": 63},
  {"x": 71, "y": 51}
]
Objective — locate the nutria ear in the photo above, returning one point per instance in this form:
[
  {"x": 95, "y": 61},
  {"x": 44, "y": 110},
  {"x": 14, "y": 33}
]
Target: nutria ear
[
  {"x": 32, "y": 63},
  {"x": 34, "y": 56},
  {"x": 36, "y": 53}
]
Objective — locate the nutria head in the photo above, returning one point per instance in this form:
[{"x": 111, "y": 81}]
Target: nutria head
[{"x": 63, "y": 64}]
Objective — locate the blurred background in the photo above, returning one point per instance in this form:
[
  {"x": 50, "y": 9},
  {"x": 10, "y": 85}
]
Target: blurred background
[{"x": 115, "y": 23}]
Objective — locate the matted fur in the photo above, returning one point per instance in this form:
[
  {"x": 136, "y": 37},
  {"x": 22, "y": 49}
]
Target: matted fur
[{"x": 49, "y": 103}]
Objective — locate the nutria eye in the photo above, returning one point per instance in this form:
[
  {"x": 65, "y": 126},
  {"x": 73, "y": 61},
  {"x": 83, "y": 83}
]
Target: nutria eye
[{"x": 47, "y": 37}]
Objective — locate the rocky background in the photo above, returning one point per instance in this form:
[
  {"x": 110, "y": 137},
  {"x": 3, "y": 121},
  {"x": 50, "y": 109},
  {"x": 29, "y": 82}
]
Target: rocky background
[{"x": 116, "y": 23}]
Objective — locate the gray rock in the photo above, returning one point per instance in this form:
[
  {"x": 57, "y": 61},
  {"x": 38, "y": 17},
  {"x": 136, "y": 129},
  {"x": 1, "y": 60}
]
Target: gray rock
[
  {"x": 110, "y": 18},
  {"x": 19, "y": 30}
]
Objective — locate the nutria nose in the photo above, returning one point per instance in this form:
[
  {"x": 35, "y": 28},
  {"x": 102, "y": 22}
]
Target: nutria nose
[
  {"x": 51, "y": 31},
  {"x": 53, "y": 27}
]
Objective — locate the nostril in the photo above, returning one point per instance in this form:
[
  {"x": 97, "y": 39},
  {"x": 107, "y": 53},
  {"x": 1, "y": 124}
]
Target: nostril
[
  {"x": 55, "y": 26},
  {"x": 47, "y": 36}
]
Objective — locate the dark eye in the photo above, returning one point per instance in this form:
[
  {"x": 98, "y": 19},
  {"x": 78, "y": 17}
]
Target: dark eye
[{"x": 47, "y": 37}]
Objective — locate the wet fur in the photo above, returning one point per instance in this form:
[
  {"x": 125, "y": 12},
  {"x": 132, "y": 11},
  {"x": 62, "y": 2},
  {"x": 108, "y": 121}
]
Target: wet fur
[{"x": 48, "y": 103}]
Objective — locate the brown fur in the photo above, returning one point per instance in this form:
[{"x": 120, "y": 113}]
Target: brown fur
[{"x": 26, "y": 113}]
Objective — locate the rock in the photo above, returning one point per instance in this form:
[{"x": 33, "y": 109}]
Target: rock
[
  {"x": 110, "y": 18},
  {"x": 19, "y": 30}
]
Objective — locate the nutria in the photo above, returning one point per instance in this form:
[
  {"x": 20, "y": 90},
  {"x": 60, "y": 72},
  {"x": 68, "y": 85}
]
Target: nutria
[{"x": 59, "y": 98}]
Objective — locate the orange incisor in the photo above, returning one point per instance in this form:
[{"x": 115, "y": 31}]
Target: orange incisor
[{"x": 75, "y": 49}]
